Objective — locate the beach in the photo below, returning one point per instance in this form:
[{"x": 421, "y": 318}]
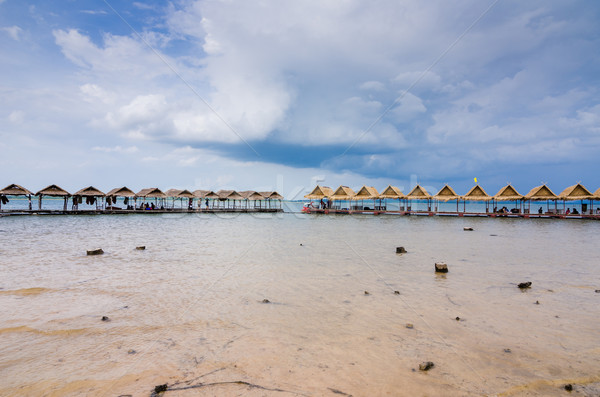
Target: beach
[{"x": 295, "y": 304}]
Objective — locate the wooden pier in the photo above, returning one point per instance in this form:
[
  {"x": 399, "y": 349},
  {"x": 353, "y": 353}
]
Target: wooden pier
[{"x": 143, "y": 212}]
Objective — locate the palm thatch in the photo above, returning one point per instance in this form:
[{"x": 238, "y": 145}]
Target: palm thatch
[
  {"x": 576, "y": 192},
  {"x": 178, "y": 193},
  {"x": 151, "y": 192},
  {"x": 271, "y": 195},
  {"x": 320, "y": 192},
  {"x": 342, "y": 193},
  {"x": 418, "y": 193},
  {"x": 121, "y": 192},
  {"x": 53, "y": 190},
  {"x": 252, "y": 195},
  {"x": 508, "y": 193},
  {"x": 366, "y": 193},
  {"x": 476, "y": 194},
  {"x": 541, "y": 193},
  {"x": 89, "y": 191},
  {"x": 391, "y": 192},
  {"x": 446, "y": 194},
  {"x": 597, "y": 194},
  {"x": 15, "y": 190},
  {"x": 229, "y": 195}
]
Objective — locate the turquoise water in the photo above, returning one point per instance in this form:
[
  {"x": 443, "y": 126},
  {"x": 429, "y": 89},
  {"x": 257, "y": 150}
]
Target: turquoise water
[{"x": 190, "y": 307}]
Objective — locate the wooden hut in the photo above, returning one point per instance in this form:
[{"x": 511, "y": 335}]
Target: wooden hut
[
  {"x": 320, "y": 193},
  {"x": 149, "y": 193},
  {"x": 541, "y": 193},
  {"x": 578, "y": 192},
  {"x": 509, "y": 193},
  {"x": 14, "y": 190},
  {"x": 341, "y": 194},
  {"x": 252, "y": 196},
  {"x": 226, "y": 195},
  {"x": 53, "y": 191},
  {"x": 418, "y": 193},
  {"x": 207, "y": 195},
  {"x": 113, "y": 195},
  {"x": 368, "y": 193},
  {"x": 392, "y": 192},
  {"x": 477, "y": 193},
  {"x": 179, "y": 194},
  {"x": 92, "y": 197},
  {"x": 446, "y": 194},
  {"x": 272, "y": 197}
]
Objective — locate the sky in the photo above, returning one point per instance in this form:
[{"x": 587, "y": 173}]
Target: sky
[{"x": 282, "y": 95}]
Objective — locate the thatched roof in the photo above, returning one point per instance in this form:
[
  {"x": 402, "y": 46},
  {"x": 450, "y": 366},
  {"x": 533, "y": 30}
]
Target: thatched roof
[
  {"x": 476, "y": 194},
  {"x": 121, "y": 192},
  {"x": 271, "y": 195},
  {"x": 342, "y": 193},
  {"x": 151, "y": 192},
  {"x": 418, "y": 193},
  {"x": 576, "y": 192},
  {"x": 541, "y": 193},
  {"x": 252, "y": 195},
  {"x": 446, "y": 194},
  {"x": 89, "y": 191},
  {"x": 366, "y": 193},
  {"x": 597, "y": 194},
  {"x": 320, "y": 192},
  {"x": 178, "y": 193},
  {"x": 15, "y": 190},
  {"x": 391, "y": 192},
  {"x": 508, "y": 193},
  {"x": 229, "y": 195},
  {"x": 53, "y": 190}
]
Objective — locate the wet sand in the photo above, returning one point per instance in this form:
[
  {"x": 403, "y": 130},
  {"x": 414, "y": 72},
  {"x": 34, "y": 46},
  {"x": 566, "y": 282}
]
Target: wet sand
[{"x": 188, "y": 311}]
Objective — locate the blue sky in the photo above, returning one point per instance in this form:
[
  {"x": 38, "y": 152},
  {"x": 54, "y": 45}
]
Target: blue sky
[{"x": 278, "y": 95}]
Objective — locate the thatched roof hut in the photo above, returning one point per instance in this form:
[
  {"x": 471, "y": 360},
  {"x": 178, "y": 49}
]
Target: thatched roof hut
[
  {"x": 229, "y": 195},
  {"x": 205, "y": 194},
  {"x": 53, "y": 190},
  {"x": 152, "y": 192},
  {"x": 89, "y": 191},
  {"x": 508, "y": 193},
  {"x": 476, "y": 194},
  {"x": 391, "y": 192},
  {"x": 252, "y": 195},
  {"x": 343, "y": 193},
  {"x": 121, "y": 192},
  {"x": 15, "y": 190},
  {"x": 541, "y": 193},
  {"x": 597, "y": 194},
  {"x": 366, "y": 193},
  {"x": 418, "y": 193},
  {"x": 271, "y": 195},
  {"x": 320, "y": 192},
  {"x": 446, "y": 194},
  {"x": 178, "y": 193},
  {"x": 576, "y": 192}
]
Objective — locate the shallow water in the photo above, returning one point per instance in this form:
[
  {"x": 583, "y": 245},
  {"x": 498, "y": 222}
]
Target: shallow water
[{"x": 189, "y": 309}]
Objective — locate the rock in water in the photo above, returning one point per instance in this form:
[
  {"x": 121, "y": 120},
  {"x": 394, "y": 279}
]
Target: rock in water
[
  {"x": 397, "y": 292},
  {"x": 160, "y": 388},
  {"x": 266, "y": 301},
  {"x": 367, "y": 293},
  {"x": 426, "y": 366},
  {"x": 569, "y": 387},
  {"x": 468, "y": 229},
  {"x": 400, "y": 250},
  {"x": 441, "y": 267},
  {"x": 140, "y": 248},
  {"x": 525, "y": 285},
  {"x": 95, "y": 252},
  {"x": 105, "y": 318}
]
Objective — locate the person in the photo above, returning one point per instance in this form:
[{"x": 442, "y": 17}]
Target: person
[
  {"x": 568, "y": 211},
  {"x": 206, "y": 202},
  {"x": 575, "y": 212},
  {"x": 322, "y": 204},
  {"x": 541, "y": 210}
]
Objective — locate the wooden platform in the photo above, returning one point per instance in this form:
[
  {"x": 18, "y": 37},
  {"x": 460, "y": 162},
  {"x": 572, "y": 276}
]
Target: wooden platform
[{"x": 143, "y": 212}]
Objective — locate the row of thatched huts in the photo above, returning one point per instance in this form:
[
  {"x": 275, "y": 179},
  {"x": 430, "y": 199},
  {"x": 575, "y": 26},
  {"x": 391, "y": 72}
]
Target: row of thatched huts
[
  {"x": 508, "y": 193},
  {"x": 150, "y": 198}
]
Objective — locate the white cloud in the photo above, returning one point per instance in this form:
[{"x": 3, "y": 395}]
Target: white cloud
[
  {"x": 16, "y": 116},
  {"x": 13, "y": 31},
  {"x": 115, "y": 149}
]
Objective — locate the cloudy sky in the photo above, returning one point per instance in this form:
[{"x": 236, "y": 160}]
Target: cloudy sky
[{"x": 277, "y": 94}]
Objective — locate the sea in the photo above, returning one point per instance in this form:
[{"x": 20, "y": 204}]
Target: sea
[{"x": 293, "y": 304}]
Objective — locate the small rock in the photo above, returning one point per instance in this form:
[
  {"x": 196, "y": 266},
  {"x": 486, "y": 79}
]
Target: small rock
[
  {"x": 524, "y": 285},
  {"x": 397, "y": 292},
  {"x": 367, "y": 293},
  {"x": 266, "y": 301},
  {"x": 160, "y": 388},
  {"x": 457, "y": 318},
  {"x": 568, "y": 387},
  {"x": 95, "y": 252},
  {"x": 400, "y": 250},
  {"x": 507, "y": 351},
  {"x": 140, "y": 248},
  {"x": 105, "y": 318},
  {"x": 597, "y": 291},
  {"x": 409, "y": 326},
  {"x": 131, "y": 351},
  {"x": 426, "y": 366},
  {"x": 468, "y": 229},
  {"x": 441, "y": 267},
  {"x": 300, "y": 244},
  {"x": 537, "y": 302}
]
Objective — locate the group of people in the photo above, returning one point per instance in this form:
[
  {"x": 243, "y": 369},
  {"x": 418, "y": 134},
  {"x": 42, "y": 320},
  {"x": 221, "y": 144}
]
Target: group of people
[
  {"x": 505, "y": 210},
  {"x": 150, "y": 206}
]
